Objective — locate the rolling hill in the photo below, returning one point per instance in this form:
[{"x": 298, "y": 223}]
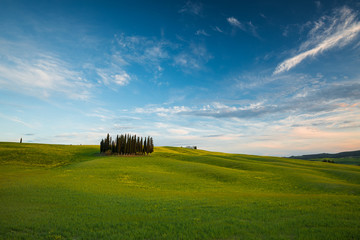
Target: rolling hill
[
  {"x": 72, "y": 192},
  {"x": 350, "y": 157}
]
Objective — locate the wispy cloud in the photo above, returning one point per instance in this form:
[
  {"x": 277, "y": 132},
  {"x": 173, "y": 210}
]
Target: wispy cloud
[
  {"x": 155, "y": 55},
  {"x": 202, "y": 32},
  {"x": 246, "y": 27},
  {"x": 161, "y": 111},
  {"x": 318, "y": 4},
  {"x": 38, "y": 73},
  {"x": 192, "y": 58},
  {"x": 192, "y": 7},
  {"x": 217, "y": 29},
  {"x": 328, "y": 32},
  {"x": 141, "y": 49},
  {"x": 253, "y": 29},
  {"x": 17, "y": 120},
  {"x": 149, "y": 53}
]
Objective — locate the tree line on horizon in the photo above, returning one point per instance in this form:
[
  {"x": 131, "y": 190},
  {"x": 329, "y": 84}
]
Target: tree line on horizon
[{"x": 126, "y": 144}]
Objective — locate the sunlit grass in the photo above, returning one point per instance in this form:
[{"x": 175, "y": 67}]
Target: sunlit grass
[{"x": 70, "y": 192}]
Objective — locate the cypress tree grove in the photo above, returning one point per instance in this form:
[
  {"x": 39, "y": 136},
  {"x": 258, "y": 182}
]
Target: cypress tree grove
[{"x": 127, "y": 145}]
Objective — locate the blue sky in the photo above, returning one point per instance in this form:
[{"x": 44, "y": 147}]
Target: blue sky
[{"x": 249, "y": 77}]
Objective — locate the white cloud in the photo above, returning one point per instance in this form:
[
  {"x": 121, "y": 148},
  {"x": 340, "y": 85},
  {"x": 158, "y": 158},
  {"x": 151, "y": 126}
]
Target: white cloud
[
  {"x": 122, "y": 79},
  {"x": 234, "y": 22},
  {"x": 328, "y": 32},
  {"x": 114, "y": 75}
]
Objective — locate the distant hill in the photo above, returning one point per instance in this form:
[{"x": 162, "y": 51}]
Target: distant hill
[{"x": 328, "y": 155}]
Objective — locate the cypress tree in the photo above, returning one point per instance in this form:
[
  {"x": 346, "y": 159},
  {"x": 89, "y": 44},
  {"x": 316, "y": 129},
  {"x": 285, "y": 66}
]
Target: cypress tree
[
  {"x": 113, "y": 147},
  {"x": 126, "y": 144},
  {"x": 117, "y": 144},
  {"x": 138, "y": 147},
  {"x": 145, "y": 147},
  {"x": 151, "y": 145}
]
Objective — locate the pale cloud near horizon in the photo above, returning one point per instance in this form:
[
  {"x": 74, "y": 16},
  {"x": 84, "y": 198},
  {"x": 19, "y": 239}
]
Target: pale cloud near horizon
[
  {"x": 303, "y": 133},
  {"x": 332, "y": 99},
  {"x": 329, "y": 32}
]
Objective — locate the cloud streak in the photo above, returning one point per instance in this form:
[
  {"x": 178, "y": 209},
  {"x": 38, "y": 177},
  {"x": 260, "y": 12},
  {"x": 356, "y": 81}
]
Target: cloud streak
[
  {"x": 329, "y": 32},
  {"x": 36, "y": 73},
  {"x": 16, "y": 120}
]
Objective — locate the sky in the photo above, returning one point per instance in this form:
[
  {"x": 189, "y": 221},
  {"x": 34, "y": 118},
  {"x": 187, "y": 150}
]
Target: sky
[{"x": 275, "y": 78}]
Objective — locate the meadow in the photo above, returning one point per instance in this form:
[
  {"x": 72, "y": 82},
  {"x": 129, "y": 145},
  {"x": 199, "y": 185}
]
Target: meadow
[{"x": 72, "y": 192}]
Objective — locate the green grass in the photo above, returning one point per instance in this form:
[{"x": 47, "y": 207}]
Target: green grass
[
  {"x": 70, "y": 192},
  {"x": 44, "y": 155}
]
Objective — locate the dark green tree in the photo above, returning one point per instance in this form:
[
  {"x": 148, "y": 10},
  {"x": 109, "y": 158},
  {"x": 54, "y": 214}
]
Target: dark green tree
[{"x": 126, "y": 144}]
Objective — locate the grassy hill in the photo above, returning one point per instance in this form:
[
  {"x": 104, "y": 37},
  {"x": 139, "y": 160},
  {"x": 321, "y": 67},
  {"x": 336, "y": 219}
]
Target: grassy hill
[{"x": 71, "y": 192}]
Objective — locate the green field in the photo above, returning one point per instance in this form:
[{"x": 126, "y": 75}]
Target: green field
[{"x": 71, "y": 192}]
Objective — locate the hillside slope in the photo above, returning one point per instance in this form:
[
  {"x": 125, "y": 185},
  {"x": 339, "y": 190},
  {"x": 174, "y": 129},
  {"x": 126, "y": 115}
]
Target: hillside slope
[{"x": 175, "y": 193}]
